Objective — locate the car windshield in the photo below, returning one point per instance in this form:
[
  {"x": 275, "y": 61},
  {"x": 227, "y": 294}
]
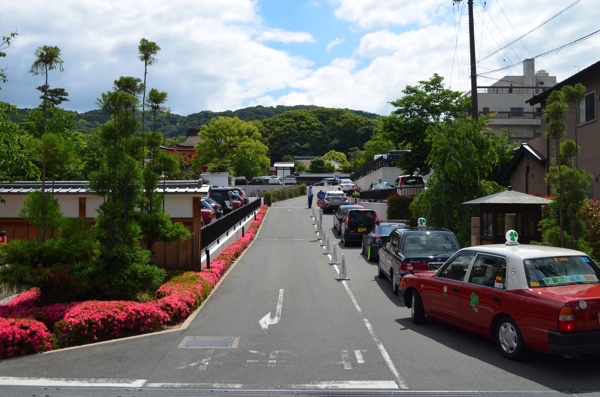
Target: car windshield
[
  {"x": 385, "y": 230},
  {"x": 564, "y": 270},
  {"x": 430, "y": 244}
]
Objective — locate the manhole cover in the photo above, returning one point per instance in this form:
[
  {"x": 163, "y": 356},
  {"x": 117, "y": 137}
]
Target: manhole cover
[{"x": 210, "y": 342}]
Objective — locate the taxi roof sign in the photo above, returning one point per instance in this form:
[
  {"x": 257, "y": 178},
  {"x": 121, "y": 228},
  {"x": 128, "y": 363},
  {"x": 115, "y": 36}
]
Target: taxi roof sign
[
  {"x": 512, "y": 237},
  {"x": 422, "y": 222}
]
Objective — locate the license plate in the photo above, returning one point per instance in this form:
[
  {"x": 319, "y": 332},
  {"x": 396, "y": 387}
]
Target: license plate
[{"x": 362, "y": 229}]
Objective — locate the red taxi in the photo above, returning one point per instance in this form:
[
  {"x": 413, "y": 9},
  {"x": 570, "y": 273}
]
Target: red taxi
[{"x": 521, "y": 296}]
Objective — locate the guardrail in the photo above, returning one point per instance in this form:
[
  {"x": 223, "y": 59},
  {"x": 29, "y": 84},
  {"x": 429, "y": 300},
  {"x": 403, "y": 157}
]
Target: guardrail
[{"x": 212, "y": 232}]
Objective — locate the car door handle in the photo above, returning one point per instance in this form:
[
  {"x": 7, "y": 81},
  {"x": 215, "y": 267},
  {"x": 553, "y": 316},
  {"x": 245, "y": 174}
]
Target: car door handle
[
  {"x": 496, "y": 299},
  {"x": 455, "y": 289}
]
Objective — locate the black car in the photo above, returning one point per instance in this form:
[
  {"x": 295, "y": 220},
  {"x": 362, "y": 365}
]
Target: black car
[
  {"x": 257, "y": 180},
  {"x": 216, "y": 206},
  {"x": 356, "y": 224},
  {"x": 371, "y": 242},
  {"x": 340, "y": 215},
  {"x": 222, "y": 195},
  {"x": 423, "y": 248},
  {"x": 240, "y": 180}
]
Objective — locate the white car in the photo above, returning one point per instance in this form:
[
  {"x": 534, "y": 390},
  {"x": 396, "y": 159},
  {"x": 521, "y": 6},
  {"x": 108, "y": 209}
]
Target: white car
[
  {"x": 275, "y": 180},
  {"x": 289, "y": 180},
  {"x": 347, "y": 185}
]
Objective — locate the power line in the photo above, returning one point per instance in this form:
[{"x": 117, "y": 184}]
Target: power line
[
  {"x": 551, "y": 51},
  {"x": 532, "y": 30}
]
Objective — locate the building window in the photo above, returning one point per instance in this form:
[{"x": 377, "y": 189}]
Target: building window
[
  {"x": 516, "y": 112},
  {"x": 587, "y": 108}
]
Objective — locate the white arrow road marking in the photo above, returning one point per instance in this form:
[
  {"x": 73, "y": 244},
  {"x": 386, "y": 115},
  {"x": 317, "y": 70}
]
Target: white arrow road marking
[{"x": 267, "y": 320}]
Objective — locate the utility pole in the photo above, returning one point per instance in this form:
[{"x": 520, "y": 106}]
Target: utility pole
[{"x": 474, "y": 105}]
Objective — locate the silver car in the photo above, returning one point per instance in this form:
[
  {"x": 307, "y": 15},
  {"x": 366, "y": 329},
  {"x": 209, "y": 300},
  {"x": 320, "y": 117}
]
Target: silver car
[{"x": 332, "y": 200}]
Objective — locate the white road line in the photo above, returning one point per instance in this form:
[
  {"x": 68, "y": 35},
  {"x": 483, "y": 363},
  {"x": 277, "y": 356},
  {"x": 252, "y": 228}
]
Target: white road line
[
  {"x": 359, "y": 356},
  {"x": 64, "y": 382},
  {"x": 382, "y": 350},
  {"x": 346, "y": 359}
]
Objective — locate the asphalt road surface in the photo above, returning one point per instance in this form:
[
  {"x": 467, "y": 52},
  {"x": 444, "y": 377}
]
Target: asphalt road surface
[{"x": 285, "y": 321}]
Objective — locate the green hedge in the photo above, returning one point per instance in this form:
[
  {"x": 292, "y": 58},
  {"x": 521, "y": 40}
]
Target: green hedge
[
  {"x": 398, "y": 208},
  {"x": 273, "y": 196}
]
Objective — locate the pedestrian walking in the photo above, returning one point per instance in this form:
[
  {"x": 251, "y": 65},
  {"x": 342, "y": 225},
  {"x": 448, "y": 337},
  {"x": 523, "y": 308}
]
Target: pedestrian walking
[{"x": 310, "y": 196}]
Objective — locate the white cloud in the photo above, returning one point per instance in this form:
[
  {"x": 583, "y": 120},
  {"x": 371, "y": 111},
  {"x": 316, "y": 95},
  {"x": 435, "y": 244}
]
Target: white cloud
[
  {"x": 334, "y": 43},
  {"x": 220, "y": 55}
]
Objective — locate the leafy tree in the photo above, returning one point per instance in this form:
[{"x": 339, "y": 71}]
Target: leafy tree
[
  {"x": 338, "y": 157},
  {"x": 463, "y": 157},
  {"x": 147, "y": 51},
  {"x": 378, "y": 144},
  {"x": 13, "y": 145},
  {"x": 156, "y": 99},
  {"x": 318, "y": 165},
  {"x": 567, "y": 203},
  {"x": 47, "y": 58},
  {"x": 227, "y": 144},
  {"x": 590, "y": 215},
  {"x": 4, "y": 44},
  {"x": 424, "y": 105}
]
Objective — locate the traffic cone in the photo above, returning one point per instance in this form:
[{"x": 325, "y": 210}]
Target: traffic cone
[
  {"x": 333, "y": 260},
  {"x": 342, "y": 275}
]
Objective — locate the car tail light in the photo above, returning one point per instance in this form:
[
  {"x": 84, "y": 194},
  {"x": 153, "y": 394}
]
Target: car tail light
[
  {"x": 347, "y": 221},
  {"x": 416, "y": 266},
  {"x": 377, "y": 240},
  {"x": 566, "y": 320}
]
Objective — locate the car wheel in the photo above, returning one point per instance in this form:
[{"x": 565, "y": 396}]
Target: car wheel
[
  {"x": 394, "y": 284},
  {"x": 417, "y": 312},
  {"x": 380, "y": 271},
  {"x": 509, "y": 339}
]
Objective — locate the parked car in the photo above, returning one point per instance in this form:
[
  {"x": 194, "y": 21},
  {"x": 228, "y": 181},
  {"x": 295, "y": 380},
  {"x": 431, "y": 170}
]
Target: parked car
[
  {"x": 340, "y": 215},
  {"x": 332, "y": 200},
  {"x": 290, "y": 180},
  {"x": 240, "y": 192},
  {"x": 275, "y": 180},
  {"x": 422, "y": 248},
  {"x": 222, "y": 195},
  {"x": 347, "y": 185},
  {"x": 372, "y": 241},
  {"x": 328, "y": 182},
  {"x": 257, "y": 180},
  {"x": 206, "y": 212},
  {"x": 358, "y": 222},
  {"x": 380, "y": 186},
  {"x": 521, "y": 296},
  {"x": 216, "y": 206},
  {"x": 236, "y": 200},
  {"x": 409, "y": 185},
  {"x": 240, "y": 181}
]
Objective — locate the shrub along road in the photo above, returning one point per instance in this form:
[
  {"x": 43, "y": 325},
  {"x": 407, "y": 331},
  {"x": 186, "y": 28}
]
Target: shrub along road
[{"x": 280, "y": 320}]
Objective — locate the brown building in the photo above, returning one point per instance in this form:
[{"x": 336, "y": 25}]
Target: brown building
[{"x": 533, "y": 159}]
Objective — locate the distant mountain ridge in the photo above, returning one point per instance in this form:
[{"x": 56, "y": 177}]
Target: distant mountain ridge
[{"x": 174, "y": 125}]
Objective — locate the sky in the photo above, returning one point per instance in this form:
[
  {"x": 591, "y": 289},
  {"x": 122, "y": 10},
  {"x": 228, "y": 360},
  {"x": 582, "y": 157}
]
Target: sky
[{"x": 222, "y": 55}]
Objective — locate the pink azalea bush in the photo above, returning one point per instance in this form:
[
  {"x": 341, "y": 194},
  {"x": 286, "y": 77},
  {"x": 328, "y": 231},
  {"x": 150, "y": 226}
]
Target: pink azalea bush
[{"x": 25, "y": 326}]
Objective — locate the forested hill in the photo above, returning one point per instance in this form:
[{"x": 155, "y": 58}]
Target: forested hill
[{"x": 174, "y": 125}]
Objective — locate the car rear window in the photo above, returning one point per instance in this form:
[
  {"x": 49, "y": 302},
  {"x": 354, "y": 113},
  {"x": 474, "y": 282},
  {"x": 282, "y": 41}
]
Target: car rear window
[
  {"x": 555, "y": 271},
  {"x": 435, "y": 243},
  {"x": 363, "y": 217}
]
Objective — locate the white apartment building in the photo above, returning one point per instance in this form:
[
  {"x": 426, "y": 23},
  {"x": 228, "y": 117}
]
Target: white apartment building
[{"x": 507, "y": 99}]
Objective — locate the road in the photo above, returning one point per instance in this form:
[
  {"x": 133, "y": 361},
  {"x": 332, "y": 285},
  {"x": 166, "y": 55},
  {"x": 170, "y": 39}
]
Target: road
[{"x": 282, "y": 323}]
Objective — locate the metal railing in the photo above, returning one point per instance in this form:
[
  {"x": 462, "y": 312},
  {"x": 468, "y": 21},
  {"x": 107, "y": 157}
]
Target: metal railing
[{"x": 212, "y": 232}]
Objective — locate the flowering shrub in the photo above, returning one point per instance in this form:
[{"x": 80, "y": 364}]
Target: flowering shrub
[
  {"x": 25, "y": 326},
  {"x": 23, "y": 336},
  {"x": 93, "y": 321}
]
